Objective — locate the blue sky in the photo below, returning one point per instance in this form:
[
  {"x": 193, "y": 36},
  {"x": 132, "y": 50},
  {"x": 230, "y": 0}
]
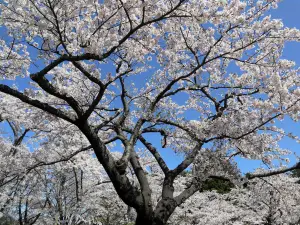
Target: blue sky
[{"x": 288, "y": 11}]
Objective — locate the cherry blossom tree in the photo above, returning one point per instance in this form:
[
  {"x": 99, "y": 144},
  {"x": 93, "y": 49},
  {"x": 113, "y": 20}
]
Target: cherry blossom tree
[
  {"x": 207, "y": 78},
  {"x": 44, "y": 190},
  {"x": 270, "y": 200}
]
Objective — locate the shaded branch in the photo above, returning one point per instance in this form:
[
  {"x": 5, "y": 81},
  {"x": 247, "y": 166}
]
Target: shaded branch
[
  {"x": 36, "y": 103},
  {"x": 155, "y": 153},
  {"x": 49, "y": 88},
  {"x": 271, "y": 173},
  {"x": 188, "y": 192},
  {"x": 187, "y": 161},
  {"x": 87, "y": 74}
]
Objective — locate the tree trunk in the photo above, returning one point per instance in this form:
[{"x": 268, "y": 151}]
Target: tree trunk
[
  {"x": 160, "y": 216},
  {"x": 143, "y": 220}
]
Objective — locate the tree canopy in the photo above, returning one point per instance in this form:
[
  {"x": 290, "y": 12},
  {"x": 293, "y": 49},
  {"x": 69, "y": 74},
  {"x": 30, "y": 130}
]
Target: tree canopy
[{"x": 93, "y": 92}]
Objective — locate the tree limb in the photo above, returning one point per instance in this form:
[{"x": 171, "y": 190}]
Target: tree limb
[
  {"x": 36, "y": 103},
  {"x": 155, "y": 153}
]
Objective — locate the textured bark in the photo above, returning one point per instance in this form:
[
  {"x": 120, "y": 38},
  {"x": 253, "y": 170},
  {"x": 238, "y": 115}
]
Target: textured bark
[
  {"x": 160, "y": 216},
  {"x": 164, "y": 208},
  {"x": 163, "y": 211},
  {"x": 128, "y": 193},
  {"x": 143, "y": 219}
]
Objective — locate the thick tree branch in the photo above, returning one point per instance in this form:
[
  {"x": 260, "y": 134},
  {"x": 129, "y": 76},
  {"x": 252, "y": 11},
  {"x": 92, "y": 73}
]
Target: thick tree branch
[
  {"x": 188, "y": 192},
  {"x": 92, "y": 107},
  {"x": 144, "y": 184},
  {"x": 156, "y": 154},
  {"x": 49, "y": 88},
  {"x": 187, "y": 161},
  {"x": 87, "y": 74},
  {"x": 43, "y": 106},
  {"x": 127, "y": 192},
  {"x": 272, "y": 173}
]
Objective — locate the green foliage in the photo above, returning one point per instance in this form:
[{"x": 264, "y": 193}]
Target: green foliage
[
  {"x": 7, "y": 220},
  {"x": 221, "y": 186},
  {"x": 186, "y": 173},
  {"x": 296, "y": 173}
]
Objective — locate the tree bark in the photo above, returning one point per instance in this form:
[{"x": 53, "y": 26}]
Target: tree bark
[
  {"x": 126, "y": 191},
  {"x": 143, "y": 219},
  {"x": 160, "y": 216}
]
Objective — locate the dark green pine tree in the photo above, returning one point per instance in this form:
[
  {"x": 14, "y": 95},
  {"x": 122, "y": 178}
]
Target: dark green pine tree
[
  {"x": 220, "y": 186},
  {"x": 296, "y": 173},
  {"x": 7, "y": 220}
]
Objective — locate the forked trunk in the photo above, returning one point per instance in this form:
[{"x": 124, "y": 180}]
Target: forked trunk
[
  {"x": 160, "y": 216},
  {"x": 141, "y": 220}
]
